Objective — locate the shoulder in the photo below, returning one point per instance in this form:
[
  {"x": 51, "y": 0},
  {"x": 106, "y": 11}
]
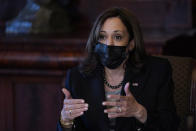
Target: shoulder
[
  {"x": 157, "y": 62},
  {"x": 158, "y": 66},
  {"x": 73, "y": 77},
  {"x": 74, "y": 72},
  {"x": 75, "y": 82}
]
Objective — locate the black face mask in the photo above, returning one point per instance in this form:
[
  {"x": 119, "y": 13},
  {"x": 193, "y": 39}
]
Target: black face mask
[{"x": 111, "y": 56}]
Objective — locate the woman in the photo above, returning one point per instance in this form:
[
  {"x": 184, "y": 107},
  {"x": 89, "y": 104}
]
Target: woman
[{"x": 118, "y": 87}]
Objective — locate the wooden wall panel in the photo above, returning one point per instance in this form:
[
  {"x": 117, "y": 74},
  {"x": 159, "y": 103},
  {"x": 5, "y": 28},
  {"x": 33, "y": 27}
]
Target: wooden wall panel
[
  {"x": 175, "y": 14},
  {"x": 37, "y": 104},
  {"x": 32, "y": 73},
  {"x": 6, "y": 105},
  {"x": 30, "y": 102}
]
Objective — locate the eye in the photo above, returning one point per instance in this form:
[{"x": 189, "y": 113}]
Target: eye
[
  {"x": 101, "y": 37},
  {"x": 118, "y": 37}
]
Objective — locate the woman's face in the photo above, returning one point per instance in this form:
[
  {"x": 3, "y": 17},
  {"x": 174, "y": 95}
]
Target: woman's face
[{"x": 114, "y": 32}]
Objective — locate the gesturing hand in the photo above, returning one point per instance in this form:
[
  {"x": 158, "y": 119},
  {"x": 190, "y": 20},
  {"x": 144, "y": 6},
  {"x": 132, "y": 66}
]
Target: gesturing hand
[
  {"x": 124, "y": 106},
  {"x": 72, "y": 108}
]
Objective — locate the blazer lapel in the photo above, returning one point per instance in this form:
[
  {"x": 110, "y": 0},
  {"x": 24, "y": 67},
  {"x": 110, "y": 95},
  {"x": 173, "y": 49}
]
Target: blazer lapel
[
  {"x": 137, "y": 83},
  {"x": 95, "y": 95}
]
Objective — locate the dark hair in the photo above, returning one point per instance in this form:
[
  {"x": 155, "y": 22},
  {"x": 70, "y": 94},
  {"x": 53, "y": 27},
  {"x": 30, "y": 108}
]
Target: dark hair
[{"x": 136, "y": 56}]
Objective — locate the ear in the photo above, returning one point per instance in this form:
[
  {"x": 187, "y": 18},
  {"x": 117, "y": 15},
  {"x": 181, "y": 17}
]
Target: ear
[{"x": 131, "y": 45}]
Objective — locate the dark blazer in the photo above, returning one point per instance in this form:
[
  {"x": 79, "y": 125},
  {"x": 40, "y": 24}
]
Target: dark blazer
[{"x": 154, "y": 90}]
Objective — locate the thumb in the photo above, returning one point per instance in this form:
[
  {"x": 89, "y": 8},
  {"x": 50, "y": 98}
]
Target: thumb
[
  {"x": 126, "y": 89},
  {"x": 66, "y": 93}
]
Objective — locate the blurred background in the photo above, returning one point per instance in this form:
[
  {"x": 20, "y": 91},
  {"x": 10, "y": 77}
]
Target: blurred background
[{"x": 41, "y": 39}]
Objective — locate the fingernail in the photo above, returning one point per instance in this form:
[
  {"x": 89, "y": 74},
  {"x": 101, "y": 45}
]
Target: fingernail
[
  {"x": 108, "y": 96},
  {"x": 82, "y": 101},
  {"x": 103, "y": 103},
  {"x": 81, "y": 113},
  {"x": 105, "y": 111},
  {"x": 86, "y": 105},
  {"x": 85, "y": 108},
  {"x": 63, "y": 90}
]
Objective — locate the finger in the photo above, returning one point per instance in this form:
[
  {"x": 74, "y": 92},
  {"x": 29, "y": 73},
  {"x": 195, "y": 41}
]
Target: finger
[
  {"x": 126, "y": 89},
  {"x": 75, "y": 106},
  {"x": 114, "y": 110},
  {"x": 117, "y": 97},
  {"x": 112, "y": 103},
  {"x": 76, "y": 111},
  {"x": 66, "y": 93},
  {"x": 73, "y": 101},
  {"x": 70, "y": 114},
  {"x": 76, "y": 115},
  {"x": 115, "y": 115}
]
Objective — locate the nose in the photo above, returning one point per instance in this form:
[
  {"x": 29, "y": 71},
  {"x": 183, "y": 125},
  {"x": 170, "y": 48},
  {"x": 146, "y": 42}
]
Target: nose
[{"x": 109, "y": 41}]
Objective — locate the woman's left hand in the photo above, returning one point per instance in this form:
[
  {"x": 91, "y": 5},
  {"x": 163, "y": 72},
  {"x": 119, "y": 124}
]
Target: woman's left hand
[{"x": 125, "y": 106}]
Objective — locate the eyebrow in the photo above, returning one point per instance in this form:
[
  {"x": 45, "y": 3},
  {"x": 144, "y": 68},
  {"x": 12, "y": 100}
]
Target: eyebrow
[
  {"x": 118, "y": 31},
  {"x": 114, "y": 31}
]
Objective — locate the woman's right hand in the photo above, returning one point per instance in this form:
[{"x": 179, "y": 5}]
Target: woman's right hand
[{"x": 72, "y": 108}]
